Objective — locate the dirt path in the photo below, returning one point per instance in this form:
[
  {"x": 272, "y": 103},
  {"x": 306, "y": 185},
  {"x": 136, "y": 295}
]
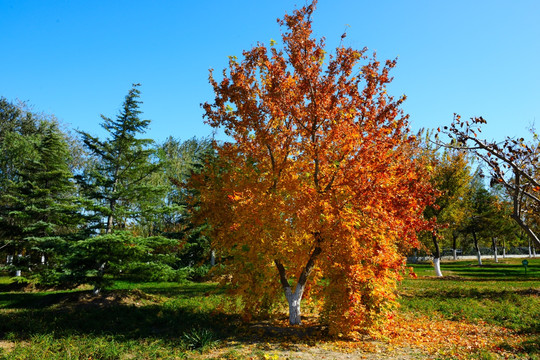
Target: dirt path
[{"x": 369, "y": 351}]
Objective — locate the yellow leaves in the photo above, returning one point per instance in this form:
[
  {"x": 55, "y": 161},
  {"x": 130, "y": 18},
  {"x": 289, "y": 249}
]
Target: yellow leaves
[
  {"x": 445, "y": 337},
  {"x": 292, "y": 173},
  {"x": 235, "y": 196}
]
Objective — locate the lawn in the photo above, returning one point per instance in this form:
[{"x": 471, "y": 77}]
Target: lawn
[{"x": 487, "y": 312}]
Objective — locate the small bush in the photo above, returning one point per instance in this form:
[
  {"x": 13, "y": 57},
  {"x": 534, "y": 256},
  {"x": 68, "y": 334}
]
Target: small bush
[
  {"x": 198, "y": 273},
  {"x": 199, "y": 339}
]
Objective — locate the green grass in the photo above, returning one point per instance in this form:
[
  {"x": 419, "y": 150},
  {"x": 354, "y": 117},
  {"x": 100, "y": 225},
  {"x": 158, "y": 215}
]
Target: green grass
[
  {"x": 141, "y": 321},
  {"x": 177, "y": 321},
  {"x": 500, "y": 294}
]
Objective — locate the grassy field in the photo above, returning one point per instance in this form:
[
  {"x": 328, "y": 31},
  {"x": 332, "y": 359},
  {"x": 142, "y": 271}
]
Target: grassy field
[{"x": 487, "y": 312}]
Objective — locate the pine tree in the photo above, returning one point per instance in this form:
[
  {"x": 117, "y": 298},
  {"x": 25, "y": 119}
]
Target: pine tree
[
  {"x": 19, "y": 136},
  {"x": 118, "y": 191},
  {"x": 39, "y": 211},
  {"x": 116, "y": 183}
]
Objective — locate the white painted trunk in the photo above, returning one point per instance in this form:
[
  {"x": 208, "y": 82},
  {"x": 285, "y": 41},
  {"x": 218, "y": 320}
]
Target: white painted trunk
[
  {"x": 9, "y": 259},
  {"x": 42, "y": 259},
  {"x": 504, "y": 253},
  {"x": 530, "y": 251},
  {"x": 479, "y": 257},
  {"x": 437, "y": 266},
  {"x": 213, "y": 258},
  {"x": 534, "y": 251},
  {"x": 415, "y": 257},
  {"x": 454, "y": 252},
  {"x": 17, "y": 273},
  {"x": 294, "y": 304},
  {"x": 495, "y": 255}
]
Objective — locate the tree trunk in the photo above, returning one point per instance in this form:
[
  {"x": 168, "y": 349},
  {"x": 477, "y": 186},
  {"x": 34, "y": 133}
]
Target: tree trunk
[
  {"x": 454, "y": 245},
  {"x": 530, "y": 248},
  {"x": 294, "y": 299},
  {"x": 294, "y": 304},
  {"x": 213, "y": 257},
  {"x": 17, "y": 273},
  {"x": 504, "y": 249},
  {"x": 415, "y": 256},
  {"x": 530, "y": 233},
  {"x": 494, "y": 242},
  {"x": 101, "y": 273},
  {"x": 110, "y": 218},
  {"x": 437, "y": 266},
  {"x": 437, "y": 256},
  {"x": 478, "y": 253}
]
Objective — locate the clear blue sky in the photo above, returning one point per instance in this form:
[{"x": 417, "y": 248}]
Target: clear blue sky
[{"x": 78, "y": 59}]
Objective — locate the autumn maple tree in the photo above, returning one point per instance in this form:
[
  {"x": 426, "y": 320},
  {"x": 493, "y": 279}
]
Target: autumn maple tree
[{"x": 320, "y": 188}]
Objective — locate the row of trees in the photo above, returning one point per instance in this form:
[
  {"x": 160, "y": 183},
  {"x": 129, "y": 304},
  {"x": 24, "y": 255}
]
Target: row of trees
[
  {"x": 72, "y": 210},
  {"x": 467, "y": 213},
  {"x": 322, "y": 188}
]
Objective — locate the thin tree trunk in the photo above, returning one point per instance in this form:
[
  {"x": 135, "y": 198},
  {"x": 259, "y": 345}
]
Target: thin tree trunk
[
  {"x": 415, "y": 256},
  {"x": 454, "y": 245},
  {"x": 494, "y": 242},
  {"x": 530, "y": 248},
  {"x": 110, "y": 218},
  {"x": 478, "y": 253},
  {"x": 213, "y": 258},
  {"x": 437, "y": 256},
  {"x": 101, "y": 273},
  {"x": 532, "y": 235},
  {"x": 504, "y": 248},
  {"x": 108, "y": 230}
]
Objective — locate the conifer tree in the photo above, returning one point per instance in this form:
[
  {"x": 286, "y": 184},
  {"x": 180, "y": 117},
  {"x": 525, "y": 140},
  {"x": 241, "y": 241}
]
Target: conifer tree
[
  {"x": 39, "y": 211},
  {"x": 118, "y": 191},
  {"x": 116, "y": 182}
]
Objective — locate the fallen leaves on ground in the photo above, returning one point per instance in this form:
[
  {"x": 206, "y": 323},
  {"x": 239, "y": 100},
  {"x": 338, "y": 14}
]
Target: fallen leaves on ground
[{"x": 455, "y": 339}]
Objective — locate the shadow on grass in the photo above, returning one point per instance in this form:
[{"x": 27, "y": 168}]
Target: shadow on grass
[
  {"x": 458, "y": 293},
  {"x": 31, "y": 314},
  {"x": 28, "y": 314},
  {"x": 489, "y": 271}
]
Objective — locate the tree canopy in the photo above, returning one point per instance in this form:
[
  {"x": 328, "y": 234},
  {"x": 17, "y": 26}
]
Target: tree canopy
[{"x": 321, "y": 179}]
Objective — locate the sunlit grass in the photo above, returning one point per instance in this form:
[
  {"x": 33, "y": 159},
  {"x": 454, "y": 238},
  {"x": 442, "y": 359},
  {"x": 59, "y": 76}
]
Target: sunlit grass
[
  {"x": 158, "y": 320},
  {"x": 500, "y": 294}
]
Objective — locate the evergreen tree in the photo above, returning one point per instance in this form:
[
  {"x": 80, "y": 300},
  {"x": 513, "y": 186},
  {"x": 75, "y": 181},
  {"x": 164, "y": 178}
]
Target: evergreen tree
[
  {"x": 119, "y": 192},
  {"x": 116, "y": 181},
  {"x": 39, "y": 212}
]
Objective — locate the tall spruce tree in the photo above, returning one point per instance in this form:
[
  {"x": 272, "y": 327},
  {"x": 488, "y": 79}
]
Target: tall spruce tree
[
  {"x": 116, "y": 181},
  {"x": 118, "y": 191}
]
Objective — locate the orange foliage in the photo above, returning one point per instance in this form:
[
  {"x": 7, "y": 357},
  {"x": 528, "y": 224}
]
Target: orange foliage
[
  {"x": 321, "y": 179},
  {"x": 451, "y": 339}
]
